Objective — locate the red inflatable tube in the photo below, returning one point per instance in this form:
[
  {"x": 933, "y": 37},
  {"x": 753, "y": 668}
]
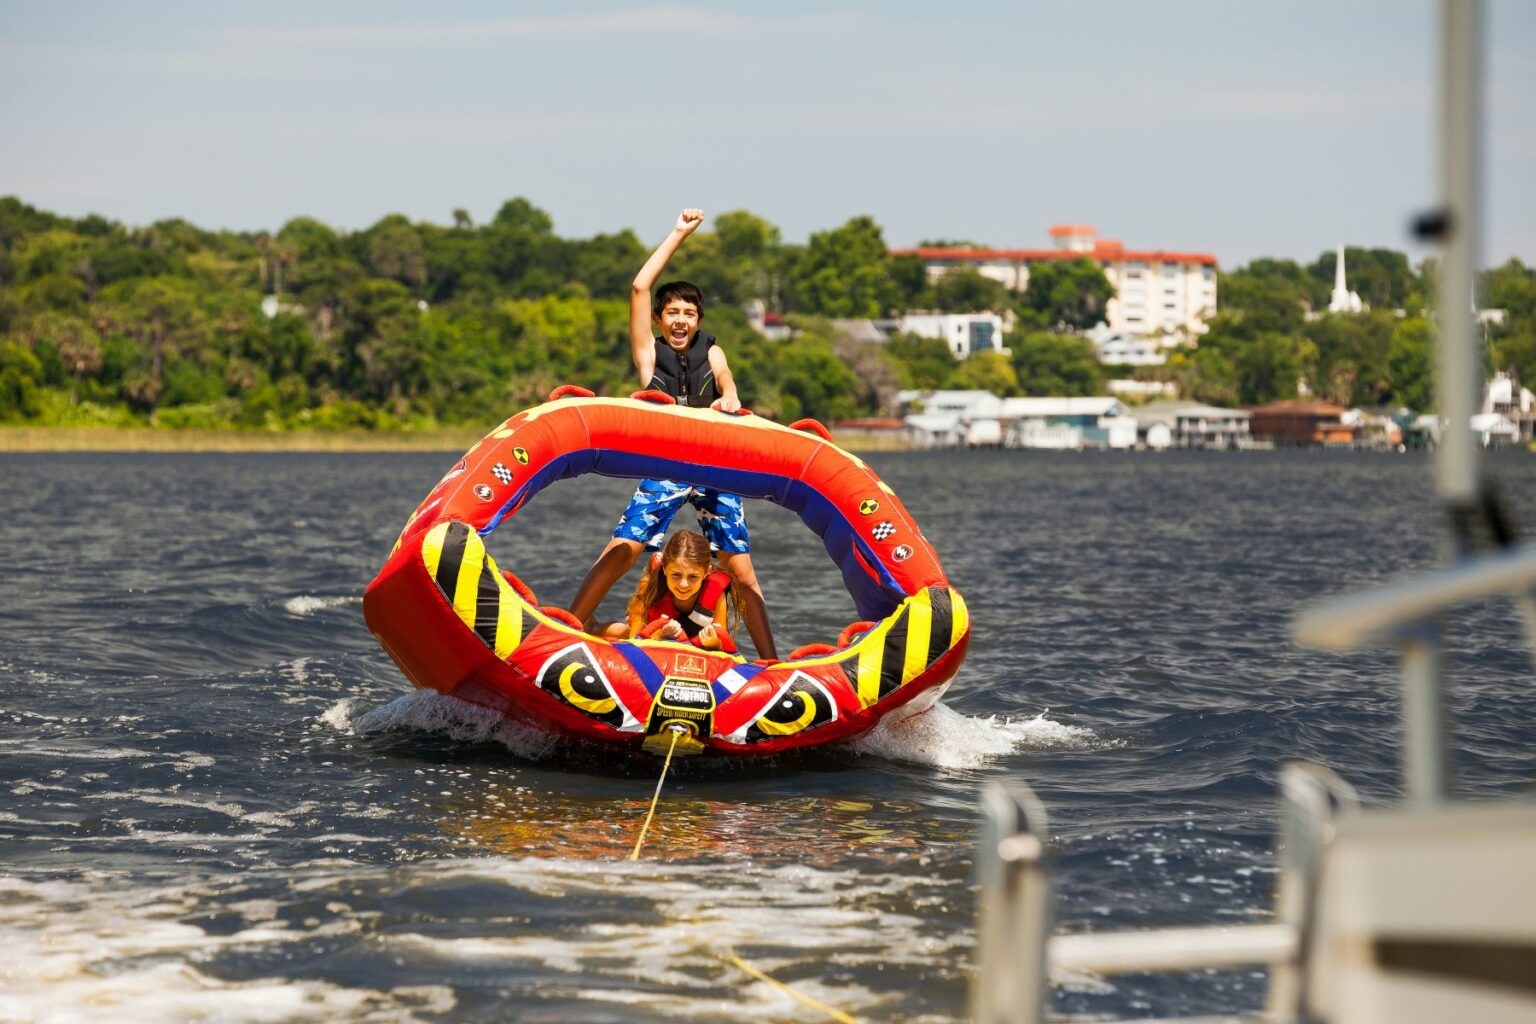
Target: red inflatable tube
[{"x": 453, "y": 622}]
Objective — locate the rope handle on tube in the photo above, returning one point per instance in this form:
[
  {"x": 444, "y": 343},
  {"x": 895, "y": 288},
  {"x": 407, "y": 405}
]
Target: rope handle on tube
[
  {"x": 653, "y": 396},
  {"x": 811, "y": 426},
  {"x": 852, "y": 630},
  {"x": 524, "y": 591}
]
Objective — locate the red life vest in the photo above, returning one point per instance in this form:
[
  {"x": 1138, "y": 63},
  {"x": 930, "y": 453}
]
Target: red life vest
[{"x": 703, "y": 613}]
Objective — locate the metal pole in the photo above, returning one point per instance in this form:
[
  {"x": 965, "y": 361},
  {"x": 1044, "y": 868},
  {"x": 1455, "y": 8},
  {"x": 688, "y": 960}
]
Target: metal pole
[
  {"x": 1457, "y": 470},
  {"x": 1426, "y": 769},
  {"x": 1014, "y": 909}
]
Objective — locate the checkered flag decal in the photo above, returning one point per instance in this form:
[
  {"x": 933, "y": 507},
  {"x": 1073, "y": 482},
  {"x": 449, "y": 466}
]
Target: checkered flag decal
[
  {"x": 501, "y": 473},
  {"x": 884, "y": 530}
]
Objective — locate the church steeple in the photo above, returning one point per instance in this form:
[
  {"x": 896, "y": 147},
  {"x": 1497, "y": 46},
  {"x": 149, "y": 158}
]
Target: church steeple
[{"x": 1343, "y": 300}]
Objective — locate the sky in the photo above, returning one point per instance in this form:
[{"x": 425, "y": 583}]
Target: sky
[{"x": 1238, "y": 128}]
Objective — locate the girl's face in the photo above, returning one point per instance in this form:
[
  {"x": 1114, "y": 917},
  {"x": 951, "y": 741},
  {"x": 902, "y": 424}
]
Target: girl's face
[{"x": 683, "y": 580}]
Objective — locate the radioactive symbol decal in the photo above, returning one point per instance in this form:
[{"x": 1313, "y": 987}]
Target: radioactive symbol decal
[
  {"x": 574, "y": 677},
  {"x": 801, "y": 704}
]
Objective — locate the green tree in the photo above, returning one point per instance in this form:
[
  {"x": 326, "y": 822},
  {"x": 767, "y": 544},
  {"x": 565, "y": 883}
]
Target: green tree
[
  {"x": 1049, "y": 364},
  {"x": 395, "y": 251},
  {"x": 520, "y": 244},
  {"x": 20, "y": 377},
  {"x": 77, "y": 344},
  {"x": 922, "y": 363},
  {"x": 845, "y": 272},
  {"x": 911, "y": 286},
  {"x": 987, "y": 371},
  {"x": 1267, "y": 295},
  {"x": 814, "y": 382},
  {"x": 1352, "y": 356},
  {"x": 161, "y": 314},
  {"x": 1205, "y": 375},
  {"x": 965, "y": 290},
  {"x": 1410, "y": 363},
  {"x": 1065, "y": 295},
  {"x": 1267, "y": 368}
]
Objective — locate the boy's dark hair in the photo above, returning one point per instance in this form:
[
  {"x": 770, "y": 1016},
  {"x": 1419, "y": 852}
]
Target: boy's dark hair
[{"x": 677, "y": 290}]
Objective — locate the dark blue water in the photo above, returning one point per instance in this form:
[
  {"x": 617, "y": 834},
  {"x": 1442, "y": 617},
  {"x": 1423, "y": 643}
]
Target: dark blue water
[{"x": 222, "y": 801}]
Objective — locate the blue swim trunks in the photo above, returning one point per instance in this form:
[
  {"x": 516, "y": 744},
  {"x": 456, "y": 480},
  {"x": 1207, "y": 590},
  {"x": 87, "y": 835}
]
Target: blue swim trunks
[{"x": 655, "y": 502}]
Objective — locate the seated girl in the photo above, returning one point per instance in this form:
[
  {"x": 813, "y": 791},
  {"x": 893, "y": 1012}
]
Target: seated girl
[{"x": 681, "y": 597}]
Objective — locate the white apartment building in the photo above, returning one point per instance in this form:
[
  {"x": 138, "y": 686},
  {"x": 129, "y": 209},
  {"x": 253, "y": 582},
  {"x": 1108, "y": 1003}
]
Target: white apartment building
[
  {"x": 964, "y": 333},
  {"x": 1156, "y": 292}
]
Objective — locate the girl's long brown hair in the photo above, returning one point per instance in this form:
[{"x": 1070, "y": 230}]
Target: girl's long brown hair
[{"x": 691, "y": 549}]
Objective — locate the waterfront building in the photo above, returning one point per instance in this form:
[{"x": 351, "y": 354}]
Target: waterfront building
[
  {"x": 950, "y": 418},
  {"x": 1156, "y": 291},
  {"x": 1100, "y": 422},
  {"x": 1301, "y": 422},
  {"x": 1505, "y": 397},
  {"x": 935, "y": 430},
  {"x": 1191, "y": 425}
]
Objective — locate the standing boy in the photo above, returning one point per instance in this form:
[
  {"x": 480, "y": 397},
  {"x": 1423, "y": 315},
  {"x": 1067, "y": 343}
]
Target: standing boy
[{"x": 689, "y": 366}]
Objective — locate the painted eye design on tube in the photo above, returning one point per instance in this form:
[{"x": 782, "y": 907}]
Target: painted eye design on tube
[
  {"x": 801, "y": 704},
  {"x": 574, "y": 677}
]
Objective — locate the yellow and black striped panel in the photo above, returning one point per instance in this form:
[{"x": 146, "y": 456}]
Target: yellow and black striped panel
[
  {"x": 906, "y": 644},
  {"x": 464, "y": 571}
]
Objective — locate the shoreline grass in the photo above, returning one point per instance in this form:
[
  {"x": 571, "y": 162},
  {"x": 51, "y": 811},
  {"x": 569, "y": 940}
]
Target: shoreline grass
[{"x": 159, "y": 439}]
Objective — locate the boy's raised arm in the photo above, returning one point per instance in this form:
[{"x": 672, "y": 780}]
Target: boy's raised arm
[{"x": 641, "y": 343}]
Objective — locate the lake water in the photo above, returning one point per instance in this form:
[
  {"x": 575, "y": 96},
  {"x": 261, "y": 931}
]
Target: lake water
[{"x": 222, "y": 801}]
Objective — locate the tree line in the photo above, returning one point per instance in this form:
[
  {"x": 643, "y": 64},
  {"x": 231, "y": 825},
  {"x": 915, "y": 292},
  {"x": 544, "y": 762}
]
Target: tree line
[{"x": 413, "y": 324}]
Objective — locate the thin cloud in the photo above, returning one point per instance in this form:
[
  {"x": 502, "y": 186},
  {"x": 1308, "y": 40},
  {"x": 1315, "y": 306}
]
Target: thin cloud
[{"x": 670, "y": 19}]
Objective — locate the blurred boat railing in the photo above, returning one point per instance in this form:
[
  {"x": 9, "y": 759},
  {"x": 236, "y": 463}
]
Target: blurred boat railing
[
  {"x": 1019, "y": 956},
  {"x": 1369, "y": 615}
]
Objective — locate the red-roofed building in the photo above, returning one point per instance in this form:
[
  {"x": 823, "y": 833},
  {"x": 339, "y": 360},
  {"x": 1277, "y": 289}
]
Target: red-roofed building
[{"x": 1156, "y": 291}]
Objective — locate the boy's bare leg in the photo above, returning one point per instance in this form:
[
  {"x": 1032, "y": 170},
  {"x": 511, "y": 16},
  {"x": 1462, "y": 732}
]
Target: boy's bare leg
[
  {"x": 609, "y": 568},
  {"x": 753, "y": 608}
]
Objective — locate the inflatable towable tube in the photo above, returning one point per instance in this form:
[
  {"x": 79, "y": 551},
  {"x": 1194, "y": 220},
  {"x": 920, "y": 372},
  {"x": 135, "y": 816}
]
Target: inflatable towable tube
[{"x": 454, "y": 623}]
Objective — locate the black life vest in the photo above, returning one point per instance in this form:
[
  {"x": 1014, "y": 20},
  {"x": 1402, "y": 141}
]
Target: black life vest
[{"x": 686, "y": 375}]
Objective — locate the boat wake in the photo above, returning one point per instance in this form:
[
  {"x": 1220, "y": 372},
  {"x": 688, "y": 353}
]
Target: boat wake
[
  {"x": 941, "y": 737},
  {"x": 307, "y": 604},
  {"x": 426, "y": 711},
  {"x": 944, "y": 738}
]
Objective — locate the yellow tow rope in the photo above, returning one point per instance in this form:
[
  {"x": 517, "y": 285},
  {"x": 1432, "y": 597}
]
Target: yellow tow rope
[
  {"x": 729, "y": 955},
  {"x": 676, "y": 731}
]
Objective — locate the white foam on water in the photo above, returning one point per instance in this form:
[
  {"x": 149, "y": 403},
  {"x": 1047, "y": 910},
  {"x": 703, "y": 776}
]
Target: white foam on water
[
  {"x": 31, "y": 747},
  {"x": 308, "y": 604},
  {"x": 339, "y": 716},
  {"x": 429, "y": 711},
  {"x": 174, "y": 800},
  {"x": 944, "y": 738},
  {"x": 104, "y": 952},
  {"x": 699, "y": 918}
]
